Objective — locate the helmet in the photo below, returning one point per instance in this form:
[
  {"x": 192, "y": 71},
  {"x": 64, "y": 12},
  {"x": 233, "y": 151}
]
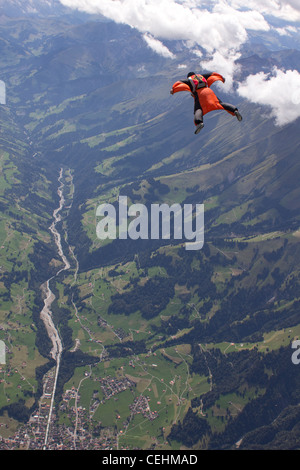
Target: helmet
[{"x": 190, "y": 74}]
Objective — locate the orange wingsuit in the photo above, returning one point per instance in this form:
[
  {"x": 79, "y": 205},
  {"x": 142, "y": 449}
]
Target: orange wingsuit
[{"x": 207, "y": 98}]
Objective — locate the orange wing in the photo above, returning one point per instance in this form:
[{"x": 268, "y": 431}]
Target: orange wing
[
  {"x": 214, "y": 78},
  {"x": 179, "y": 86},
  {"x": 208, "y": 100}
]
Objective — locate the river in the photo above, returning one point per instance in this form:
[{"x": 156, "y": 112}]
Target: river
[{"x": 49, "y": 297}]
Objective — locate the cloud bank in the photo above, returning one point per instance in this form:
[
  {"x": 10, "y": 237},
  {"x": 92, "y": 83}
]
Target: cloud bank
[
  {"x": 219, "y": 27},
  {"x": 288, "y": 10}
]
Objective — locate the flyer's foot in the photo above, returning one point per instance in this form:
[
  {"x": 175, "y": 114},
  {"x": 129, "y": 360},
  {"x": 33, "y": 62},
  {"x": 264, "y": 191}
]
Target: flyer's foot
[
  {"x": 199, "y": 127},
  {"x": 238, "y": 115}
]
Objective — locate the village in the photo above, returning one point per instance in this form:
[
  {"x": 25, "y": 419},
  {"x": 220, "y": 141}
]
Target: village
[{"x": 75, "y": 433}]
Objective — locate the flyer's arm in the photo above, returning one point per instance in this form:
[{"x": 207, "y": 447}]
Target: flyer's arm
[
  {"x": 214, "y": 77},
  {"x": 179, "y": 86}
]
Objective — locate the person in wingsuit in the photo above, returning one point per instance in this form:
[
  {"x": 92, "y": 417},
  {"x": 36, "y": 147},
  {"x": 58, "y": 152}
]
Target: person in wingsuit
[{"x": 205, "y": 98}]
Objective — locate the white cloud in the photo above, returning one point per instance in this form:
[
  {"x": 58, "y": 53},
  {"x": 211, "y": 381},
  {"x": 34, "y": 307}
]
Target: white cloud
[
  {"x": 280, "y": 90},
  {"x": 288, "y": 10},
  {"x": 220, "y": 28},
  {"x": 157, "y": 46},
  {"x": 286, "y": 31}
]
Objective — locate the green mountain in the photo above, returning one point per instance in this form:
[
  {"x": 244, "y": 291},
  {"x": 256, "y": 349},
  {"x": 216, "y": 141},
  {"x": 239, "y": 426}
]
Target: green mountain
[{"x": 162, "y": 347}]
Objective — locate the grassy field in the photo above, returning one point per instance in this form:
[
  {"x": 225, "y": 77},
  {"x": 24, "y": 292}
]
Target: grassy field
[
  {"x": 163, "y": 376},
  {"x": 20, "y": 230}
]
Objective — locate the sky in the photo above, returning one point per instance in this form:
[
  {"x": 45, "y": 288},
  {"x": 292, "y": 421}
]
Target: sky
[{"x": 220, "y": 27}]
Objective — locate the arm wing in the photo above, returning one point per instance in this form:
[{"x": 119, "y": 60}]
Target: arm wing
[
  {"x": 180, "y": 86},
  {"x": 214, "y": 77}
]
